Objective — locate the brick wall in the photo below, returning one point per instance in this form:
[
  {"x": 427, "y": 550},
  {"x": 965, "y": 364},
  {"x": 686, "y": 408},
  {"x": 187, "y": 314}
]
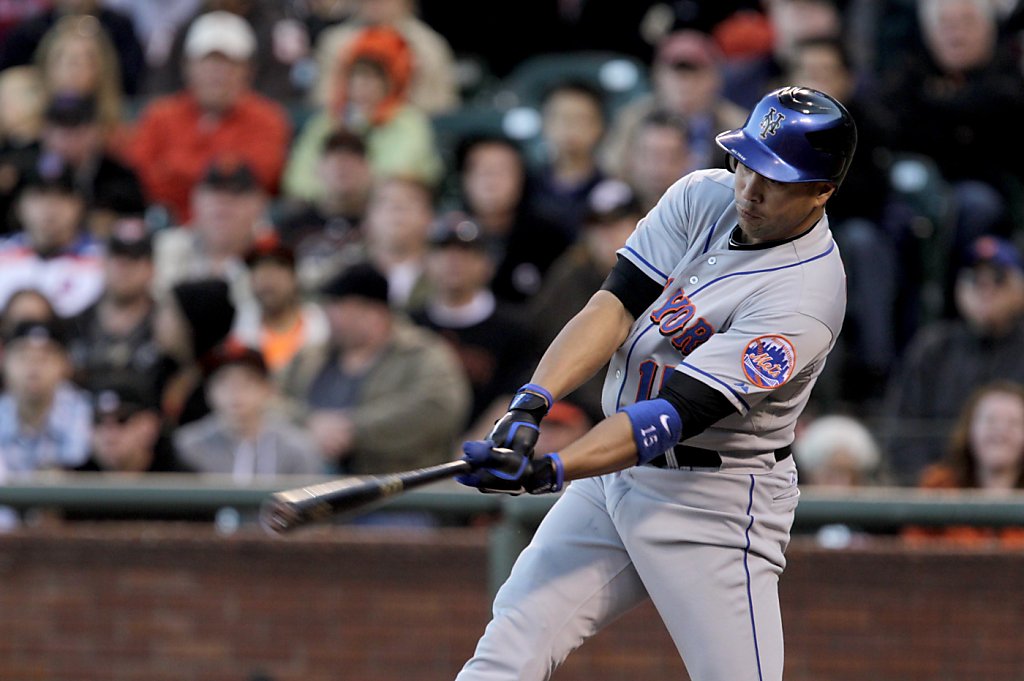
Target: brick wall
[{"x": 174, "y": 602}]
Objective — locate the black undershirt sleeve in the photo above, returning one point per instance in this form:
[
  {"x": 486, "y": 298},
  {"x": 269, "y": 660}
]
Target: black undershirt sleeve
[
  {"x": 629, "y": 284},
  {"x": 698, "y": 404}
]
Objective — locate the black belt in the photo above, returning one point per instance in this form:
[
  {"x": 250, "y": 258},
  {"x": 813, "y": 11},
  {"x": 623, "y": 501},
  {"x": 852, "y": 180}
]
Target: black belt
[{"x": 695, "y": 457}]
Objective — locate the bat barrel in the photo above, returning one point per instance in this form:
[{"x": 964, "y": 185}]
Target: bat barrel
[{"x": 292, "y": 508}]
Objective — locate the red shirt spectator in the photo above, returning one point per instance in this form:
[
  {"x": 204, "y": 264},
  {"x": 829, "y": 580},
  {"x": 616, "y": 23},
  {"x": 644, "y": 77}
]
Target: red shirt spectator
[{"x": 217, "y": 114}]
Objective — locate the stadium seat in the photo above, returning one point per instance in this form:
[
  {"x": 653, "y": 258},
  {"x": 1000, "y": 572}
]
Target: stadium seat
[
  {"x": 621, "y": 78},
  {"x": 918, "y": 188}
]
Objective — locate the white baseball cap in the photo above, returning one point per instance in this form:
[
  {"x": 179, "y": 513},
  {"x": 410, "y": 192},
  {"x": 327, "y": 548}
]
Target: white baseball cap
[{"x": 223, "y": 32}]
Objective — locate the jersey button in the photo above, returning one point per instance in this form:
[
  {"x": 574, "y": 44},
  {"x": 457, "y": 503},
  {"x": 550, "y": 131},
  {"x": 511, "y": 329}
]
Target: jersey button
[
  {"x": 712, "y": 260},
  {"x": 694, "y": 280}
]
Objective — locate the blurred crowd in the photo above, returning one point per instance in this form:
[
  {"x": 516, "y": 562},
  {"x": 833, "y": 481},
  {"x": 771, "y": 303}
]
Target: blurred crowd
[{"x": 259, "y": 237}]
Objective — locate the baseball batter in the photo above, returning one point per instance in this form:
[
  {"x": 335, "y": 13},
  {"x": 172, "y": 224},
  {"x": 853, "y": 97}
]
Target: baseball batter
[{"x": 717, "y": 320}]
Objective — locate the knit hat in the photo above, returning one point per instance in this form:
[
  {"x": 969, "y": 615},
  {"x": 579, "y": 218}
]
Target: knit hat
[
  {"x": 206, "y": 305},
  {"x": 361, "y": 280},
  {"x": 386, "y": 48}
]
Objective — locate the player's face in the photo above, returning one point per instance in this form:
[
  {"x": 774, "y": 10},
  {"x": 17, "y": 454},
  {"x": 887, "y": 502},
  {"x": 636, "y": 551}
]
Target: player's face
[{"x": 768, "y": 210}]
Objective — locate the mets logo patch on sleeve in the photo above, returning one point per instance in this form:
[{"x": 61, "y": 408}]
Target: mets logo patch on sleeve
[{"x": 768, "y": 361}]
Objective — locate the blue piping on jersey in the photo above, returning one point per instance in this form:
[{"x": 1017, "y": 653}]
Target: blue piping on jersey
[
  {"x": 720, "y": 381},
  {"x": 711, "y": 233},
  {"x": 746, "y": 568},
  {"x": 769, "y": 269},
  {"x": 618, "y": 398},
  {"x": 629, "y": 354},
  {"x": 644, "y": 261}
]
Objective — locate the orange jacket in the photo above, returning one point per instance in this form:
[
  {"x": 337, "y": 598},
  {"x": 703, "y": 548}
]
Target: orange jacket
[
  {"x": 940, "y": 476},
  {"x": 173, "y": 145}
]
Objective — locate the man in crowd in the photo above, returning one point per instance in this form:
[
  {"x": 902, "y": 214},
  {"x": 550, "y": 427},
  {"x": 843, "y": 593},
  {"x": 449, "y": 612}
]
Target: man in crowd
[
  {"x": 657, "y": 155},
  {"x": 128, "y": 435},
  {"x": 687, "y": 81},
  {"x": 339, "y": 209},
  {"x": 52, "y": 254},
  {"x": 45, "y": 422},
  {"x": 113, "y": 339},
  {"x": 947, "y": 359},
  {"x": 244, "y": 435},
  {"x": 228, "y": 207},
  {"x": 72, "y": 130},
  {"x": 383, "y": 395},
  {"x": 283, "y": 324},
  {"x": 491, "y": 342},
  {"x": 217, "y": 114}
]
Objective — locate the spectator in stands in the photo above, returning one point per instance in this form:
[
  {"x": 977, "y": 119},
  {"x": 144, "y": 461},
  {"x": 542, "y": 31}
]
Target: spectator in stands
[
  {"x": 837, "y": 451},
  {"x": 228, "y": 207},
  {"x": 338, "y": 209},
  {"x": 949, "y": 358},
  {"x": 128, "y": 435},
  {"x": 492, "y": 178},
  {"x": 77, "y": 59},
  {"x": 22, "y": 102},
  {"x": 955, "y": 104},
  {"x": 191, "y": 320},
  {"x": 491, "y": 342},
  {"x": 283, "y": 324},
  {"x": 433, "y": 86},
  {"x": 396, "y": 232},
  {"x": 25, "y": 305},
  {"x": 986, "y": 451},
  {"x": 156, "y": 23},
  {"x": 53, "y": 253},
  {"x": 45, "y": 422},
  {"x": 612, "y": 214},
  {"x": 858, "y": 218},
  {"x": 687, "y": 81},
  {"x": 383, "y": 395},
  {"x": 657, "y": 155},
  {"x": 23, "y": 41},
  {"x": 745, "y": 81},
  {"x": 244, "y": 435},
  {"x": 282, "y": 48},
  {"x": 573, "y": 126},
  {"x": 110, "y": 189},
  {"x": 112, "y": 340},
  {"x": 369, "y": 97},
  {"x": 216, "y": 115}
]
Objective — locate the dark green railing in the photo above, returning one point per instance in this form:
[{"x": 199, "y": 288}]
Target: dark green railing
[{"x": 142, "y": 496}]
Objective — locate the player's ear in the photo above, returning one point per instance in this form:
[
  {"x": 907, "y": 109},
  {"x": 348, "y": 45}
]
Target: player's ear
[{"x": 825, "y": 192}]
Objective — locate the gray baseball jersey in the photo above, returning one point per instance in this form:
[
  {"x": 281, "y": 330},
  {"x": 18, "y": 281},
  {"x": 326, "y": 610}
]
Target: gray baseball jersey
[{"x": 755, "y": 324}]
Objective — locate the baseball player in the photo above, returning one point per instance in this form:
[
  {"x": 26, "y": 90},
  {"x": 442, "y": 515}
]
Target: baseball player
[{"x": 717, "y": 319}]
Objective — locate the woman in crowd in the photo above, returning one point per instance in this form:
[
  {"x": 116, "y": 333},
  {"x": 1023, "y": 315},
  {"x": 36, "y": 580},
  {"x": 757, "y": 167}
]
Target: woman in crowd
[
  {"x": 986, "y": 453},
  {"x": 77, "y": 58}
]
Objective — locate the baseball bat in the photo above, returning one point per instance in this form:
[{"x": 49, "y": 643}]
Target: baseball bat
[{"x": 292, "y": 508}]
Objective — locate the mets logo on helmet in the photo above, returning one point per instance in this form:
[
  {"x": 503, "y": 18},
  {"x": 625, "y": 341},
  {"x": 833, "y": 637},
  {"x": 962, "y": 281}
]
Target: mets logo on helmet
[
  {"x": 771, "y": 122},
  {"x": 768, "y": 361}
]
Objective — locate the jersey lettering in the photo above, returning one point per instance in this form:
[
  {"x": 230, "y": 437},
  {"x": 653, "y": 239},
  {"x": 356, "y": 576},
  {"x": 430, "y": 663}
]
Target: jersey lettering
[
  {"x": 649, "y": 370},
  {"x": 675, "y": 318},
  {"x": 695, "y": 336}
]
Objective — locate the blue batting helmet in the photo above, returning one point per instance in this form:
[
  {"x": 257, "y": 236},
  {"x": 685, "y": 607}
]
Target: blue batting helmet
[{"x": 795, "y": 134}]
